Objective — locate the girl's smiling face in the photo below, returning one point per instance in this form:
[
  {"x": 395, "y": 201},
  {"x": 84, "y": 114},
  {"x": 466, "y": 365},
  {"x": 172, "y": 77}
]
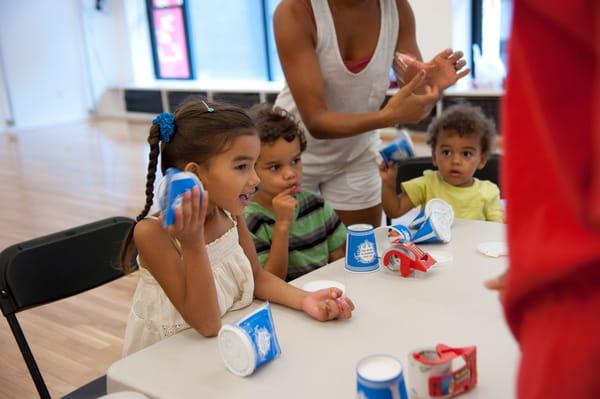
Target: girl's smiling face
[{"x": 229, "y": 176}]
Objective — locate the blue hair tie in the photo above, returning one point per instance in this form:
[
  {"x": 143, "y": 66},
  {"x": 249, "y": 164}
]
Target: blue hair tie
[{"x": 166, "y": 125}]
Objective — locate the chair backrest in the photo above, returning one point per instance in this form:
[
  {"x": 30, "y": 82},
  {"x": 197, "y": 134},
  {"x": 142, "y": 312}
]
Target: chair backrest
[
  {"x": 54, "y": 267},
  {"x": 62, "y": 264},
  {"x": 411, "y": 168}
]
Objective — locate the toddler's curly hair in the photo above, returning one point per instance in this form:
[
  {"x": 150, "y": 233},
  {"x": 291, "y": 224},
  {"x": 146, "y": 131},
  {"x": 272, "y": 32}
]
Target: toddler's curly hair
[
  {"x": 467, "y": 120},
  {"x": 274, "y": 122}
]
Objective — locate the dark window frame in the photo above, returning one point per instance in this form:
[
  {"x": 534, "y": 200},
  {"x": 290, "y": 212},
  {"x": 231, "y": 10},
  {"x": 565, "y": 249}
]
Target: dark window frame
[{"x": 150, "y": 8}]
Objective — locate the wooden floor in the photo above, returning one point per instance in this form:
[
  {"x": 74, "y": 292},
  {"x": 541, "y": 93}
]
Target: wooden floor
[{"x": 52, "y": 179}]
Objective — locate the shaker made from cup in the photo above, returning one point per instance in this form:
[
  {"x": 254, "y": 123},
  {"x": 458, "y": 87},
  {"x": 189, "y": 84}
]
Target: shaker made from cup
[
  {"x": 171, "y": 190},
  {"x": 435, "y": 229},
  {"x": 434, "y": 205},
  {"x": 361, "y": 248},
  {"x": 380, "y": 377},
  {"x": 250, "y": 343},
  {"x": 400, "y": 149}
]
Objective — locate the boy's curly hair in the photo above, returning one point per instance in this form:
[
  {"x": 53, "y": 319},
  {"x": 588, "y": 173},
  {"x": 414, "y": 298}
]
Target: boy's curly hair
[
  {"x": 274, "y": 122},
  {"x": 467, "y": 120}
]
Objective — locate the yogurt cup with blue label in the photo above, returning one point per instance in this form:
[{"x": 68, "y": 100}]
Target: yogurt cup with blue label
[
  {"x": 171, "y": 189},
  {"x": 250, "y": 343}
]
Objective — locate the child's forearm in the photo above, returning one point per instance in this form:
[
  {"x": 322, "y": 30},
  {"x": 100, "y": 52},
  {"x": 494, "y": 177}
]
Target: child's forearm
[
  {"x": 395, "y": 205},
  {"x": 270, "y": 288},
  {"x": 390, "y": 201},
  {"x": 277, "y": 262},
  {"x": 200, "y": 306}
]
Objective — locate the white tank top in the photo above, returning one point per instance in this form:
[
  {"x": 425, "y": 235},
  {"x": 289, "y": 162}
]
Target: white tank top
[{"x": 346, "y": 91}]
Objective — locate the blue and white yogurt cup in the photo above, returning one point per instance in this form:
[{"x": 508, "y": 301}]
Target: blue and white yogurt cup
[
  {"x": 171, "y": 190},
  {"x": 435, "y": 229},
  {"x": 398, "y": 150},
  {"x": 380, "y": 377},
  {"x": 250, "y": 343},
  {"x": 361, "y": 249},
  {"x": 434, "y": 205}
]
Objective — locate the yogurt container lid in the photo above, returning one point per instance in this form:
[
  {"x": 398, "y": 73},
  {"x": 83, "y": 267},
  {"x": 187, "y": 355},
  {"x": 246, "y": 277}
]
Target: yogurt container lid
[
  {"x": 440, "y": 225},
  {"x": 379, "y": 368},
  {"x": 237, "y": 350},
  {"x": 493, "y": 249},
  {"x": 436, "y": 205}
]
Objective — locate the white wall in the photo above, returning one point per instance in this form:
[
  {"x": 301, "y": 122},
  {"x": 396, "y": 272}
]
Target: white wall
[
  {"x": 138, "y": 38},
  {"x": 43, "y": 61},
  {"x": 5, "y": 114},
  {"x": 107, "y": 48},
  {"x": 60, "y": 56},
  {"x": 442, "y": 24}
]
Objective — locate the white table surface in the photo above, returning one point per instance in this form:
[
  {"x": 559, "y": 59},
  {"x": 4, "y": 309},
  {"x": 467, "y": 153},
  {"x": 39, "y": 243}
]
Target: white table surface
[{"x": 393, "y": 315}]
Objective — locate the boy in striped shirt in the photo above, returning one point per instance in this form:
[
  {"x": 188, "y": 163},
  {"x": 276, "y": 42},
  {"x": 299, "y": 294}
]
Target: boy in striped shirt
[{"x": 294, "y": 231}]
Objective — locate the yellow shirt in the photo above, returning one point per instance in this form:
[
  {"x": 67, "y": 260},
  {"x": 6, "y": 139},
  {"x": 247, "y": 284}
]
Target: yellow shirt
[{"x": 480, "y": 201}]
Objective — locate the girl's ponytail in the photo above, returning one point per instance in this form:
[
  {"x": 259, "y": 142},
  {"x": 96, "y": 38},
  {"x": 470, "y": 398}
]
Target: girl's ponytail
[
  {"x": 153, "y": 140},
  {"x": 128, "y": 249}
]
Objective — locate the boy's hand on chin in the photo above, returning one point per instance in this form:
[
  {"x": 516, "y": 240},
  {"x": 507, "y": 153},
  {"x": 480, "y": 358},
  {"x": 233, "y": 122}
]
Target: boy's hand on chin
[{"x": 284, "y": 205}]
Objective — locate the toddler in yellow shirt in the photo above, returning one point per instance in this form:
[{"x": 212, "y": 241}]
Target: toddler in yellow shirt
[{"x": 461, "y": 141}]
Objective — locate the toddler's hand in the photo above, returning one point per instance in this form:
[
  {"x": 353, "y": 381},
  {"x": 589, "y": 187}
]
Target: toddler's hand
[
  {"x": 284, "y": 206},
  {"x": 328, "y": 304},
  {"x": 388, "y": 172},
  {"x": 188, "y": 228}
]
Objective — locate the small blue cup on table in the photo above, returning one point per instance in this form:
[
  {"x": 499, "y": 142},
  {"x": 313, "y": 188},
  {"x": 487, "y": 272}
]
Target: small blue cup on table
[
  {"x": 361, "y": 249},
  {"x": 380, "y": 377}
]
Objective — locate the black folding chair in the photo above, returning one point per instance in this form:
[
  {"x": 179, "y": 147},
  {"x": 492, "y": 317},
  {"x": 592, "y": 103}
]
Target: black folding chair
[
  {"x": 57, "y": 266},
  {"x": 411, "y": 168}
]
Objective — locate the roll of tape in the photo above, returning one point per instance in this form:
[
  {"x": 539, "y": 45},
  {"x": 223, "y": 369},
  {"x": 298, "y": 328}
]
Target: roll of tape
[{"x": 431, "y": 373}]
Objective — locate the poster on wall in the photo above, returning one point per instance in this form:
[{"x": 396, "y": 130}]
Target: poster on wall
[{"x": 170, "y": 45}]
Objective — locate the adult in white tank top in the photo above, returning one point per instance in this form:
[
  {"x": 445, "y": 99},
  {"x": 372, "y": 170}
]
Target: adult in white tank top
[{"x": 336, "y": 56}]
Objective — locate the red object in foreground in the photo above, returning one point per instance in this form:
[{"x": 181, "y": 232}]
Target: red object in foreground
[{"x": 455, "y": 382}]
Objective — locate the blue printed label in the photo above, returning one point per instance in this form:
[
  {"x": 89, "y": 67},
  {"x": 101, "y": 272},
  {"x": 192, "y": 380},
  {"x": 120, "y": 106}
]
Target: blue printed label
[{"x": 260, "y": 328}]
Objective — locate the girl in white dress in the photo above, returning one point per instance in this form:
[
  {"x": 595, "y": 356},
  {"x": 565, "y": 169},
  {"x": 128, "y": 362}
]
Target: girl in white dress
[{"x": 205, "y": 264}]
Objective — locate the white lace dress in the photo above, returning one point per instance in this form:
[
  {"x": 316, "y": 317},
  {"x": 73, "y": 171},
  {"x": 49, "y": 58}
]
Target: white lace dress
[{"x": 153, "y": 317}]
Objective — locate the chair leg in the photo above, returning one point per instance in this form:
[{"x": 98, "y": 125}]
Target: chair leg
[{"x": 28, "y": 357}]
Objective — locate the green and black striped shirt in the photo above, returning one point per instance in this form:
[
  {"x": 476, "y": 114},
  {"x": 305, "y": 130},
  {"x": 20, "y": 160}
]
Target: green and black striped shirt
[{"x": 316, "y": 231}]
